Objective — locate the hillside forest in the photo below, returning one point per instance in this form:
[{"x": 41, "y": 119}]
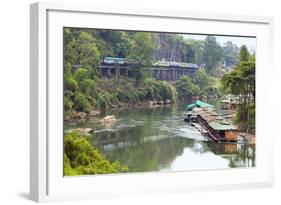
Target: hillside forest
[{"x": 223, "y": 70}]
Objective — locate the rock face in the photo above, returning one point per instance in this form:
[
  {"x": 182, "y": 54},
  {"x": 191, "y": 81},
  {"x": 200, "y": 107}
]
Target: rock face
[
  {"x": 81, "y": 131},
  {"x": 171, "y": 48}
]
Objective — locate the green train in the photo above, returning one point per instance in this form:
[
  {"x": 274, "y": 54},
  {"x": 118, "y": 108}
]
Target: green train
[{"x": 161, "y": 63}]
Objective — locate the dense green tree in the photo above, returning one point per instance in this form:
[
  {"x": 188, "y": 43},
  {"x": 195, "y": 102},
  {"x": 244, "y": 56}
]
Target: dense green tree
[
  {"x": 241, "y": 82},
  {"x": 212, "y": 54},
  {"x": 81, "y": 158},
  {"x": 203, "y": 80},
  {"x": 167, "y": 91},
  {"x": 244, "y": 54},
  {"x": 142, "y": 48},
  {"x": 81, "y": 102},
  {"x": 142, "y": 52},
  {"x": 118, "y": 43},
  {"x": 186, "y": 88},
  {"x": 197, "y": 48},
  {"x": 159, "y": 90},
  {"x": 230, "y": 54},
  {"x": 231, "y": 82},
  {"x": 81, "y": 49}
]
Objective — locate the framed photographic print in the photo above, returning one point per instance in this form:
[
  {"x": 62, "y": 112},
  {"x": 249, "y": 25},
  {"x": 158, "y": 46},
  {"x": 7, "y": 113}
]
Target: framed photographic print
[{"x": 132, "y": 102}]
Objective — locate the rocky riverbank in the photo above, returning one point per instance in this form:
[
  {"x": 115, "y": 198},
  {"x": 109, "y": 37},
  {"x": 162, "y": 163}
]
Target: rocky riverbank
[
  {"x": 79, "y": 117},
  {"x": 108, "y": 120}
]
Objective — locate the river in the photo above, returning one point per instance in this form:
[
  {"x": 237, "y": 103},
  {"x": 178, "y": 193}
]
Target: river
[{"x": 157, "y": 139}]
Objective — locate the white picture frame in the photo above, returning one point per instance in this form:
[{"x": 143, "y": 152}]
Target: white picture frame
[{"x": 46, "y": 177}]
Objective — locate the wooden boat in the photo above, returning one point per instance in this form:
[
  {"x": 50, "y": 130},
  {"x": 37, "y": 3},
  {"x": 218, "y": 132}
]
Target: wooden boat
[{"x": 210, "y": 124}]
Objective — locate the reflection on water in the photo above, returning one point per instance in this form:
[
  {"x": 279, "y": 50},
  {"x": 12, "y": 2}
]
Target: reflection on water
[{"x": 157, "y": 139}]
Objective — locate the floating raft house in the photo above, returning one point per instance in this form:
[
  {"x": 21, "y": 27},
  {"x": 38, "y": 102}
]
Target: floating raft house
[{"x": 219, "y": 128}]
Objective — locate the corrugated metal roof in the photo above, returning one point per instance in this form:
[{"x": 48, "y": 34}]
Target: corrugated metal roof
[
  {"x": 216, "y": 121},
  {"x": 219, "y": 118},
  {"x": 210, "y": 119},
  {"x": 214, "y": 114},
  {"x": 217, "y": 125},
  {"x": 198, "y": 103}
]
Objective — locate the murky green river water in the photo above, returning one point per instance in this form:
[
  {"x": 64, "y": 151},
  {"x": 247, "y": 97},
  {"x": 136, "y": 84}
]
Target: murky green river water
[{"x": 157, "y": 139}]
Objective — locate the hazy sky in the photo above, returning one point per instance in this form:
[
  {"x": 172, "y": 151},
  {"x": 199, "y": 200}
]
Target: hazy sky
[{"x": 250, "y": 42}]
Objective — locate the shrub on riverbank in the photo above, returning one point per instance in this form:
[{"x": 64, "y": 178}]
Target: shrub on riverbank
[
  {"x": 81, "y": 158},
  {"x": 159, "y": 90},
  {"x": 112, "y": 93},
  {"x": 200, "y": 84},
  {"x": 186, "y": 88}
]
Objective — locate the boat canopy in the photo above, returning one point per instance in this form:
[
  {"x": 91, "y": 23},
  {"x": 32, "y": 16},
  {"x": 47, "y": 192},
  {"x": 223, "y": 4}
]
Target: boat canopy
[{"x": 198, "y": 103}]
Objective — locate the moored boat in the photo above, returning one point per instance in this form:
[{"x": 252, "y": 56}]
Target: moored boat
[{"x": 210, "y": 124}]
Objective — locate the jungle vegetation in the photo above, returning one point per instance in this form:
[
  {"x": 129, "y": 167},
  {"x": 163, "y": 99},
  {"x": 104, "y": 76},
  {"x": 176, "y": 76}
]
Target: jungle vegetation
[
  {"x": 84, "y": 90},
  {"x": 241, "y": 82},
  {"x": 85, "y": 48},
  {"x": 81, "y": 158}
]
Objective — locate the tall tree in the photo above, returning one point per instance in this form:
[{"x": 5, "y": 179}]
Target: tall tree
[
  {"x": 142, "y": 51},
  {"x": 197, "y": 47},
  {"x": 241, "y": 82},
  {"x": 212, "y": 54},
  {"x": 80, "y": 50},
  {"x": 186, "y": 88},
  {"x": 230, "y": 54},
  {"x": 142, "y": 48},
  {"x": 244, "y": 54},
  {"x": 118, "y": 43},
  {"x": 203, "y": 80}
]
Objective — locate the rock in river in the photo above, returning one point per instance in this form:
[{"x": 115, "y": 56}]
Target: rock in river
[
  {"x": 79, "y": 115},
  {"x": 108, "y": 119},
  {"x": 167, "y": 101},
  {"x": 81, "y": 131},
  {"x": 94, "y": 113},
  {"x": 160, "y": 102}
]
